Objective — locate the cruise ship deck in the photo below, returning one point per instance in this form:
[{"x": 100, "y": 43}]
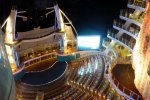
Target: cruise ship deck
[{"x": 45, "y": 61}]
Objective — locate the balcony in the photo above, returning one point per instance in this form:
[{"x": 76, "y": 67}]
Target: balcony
[
  {"x": 132, "y": 31},
  {"x": 124, "y": 85},
  {"x": 139, "y": 5},
  {"x": 130, "y": 16},
  {"x": 122, "y": 41}
]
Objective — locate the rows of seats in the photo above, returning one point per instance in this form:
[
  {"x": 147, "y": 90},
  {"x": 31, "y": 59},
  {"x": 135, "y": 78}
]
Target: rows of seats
[
  {"x": 92, "y": 83},
  {"x": 83, "y": 80},
  {"x": 90, "y": 77},
  {"x": 27, "y": 92},
  {"x": 57, "y": 91},
  {"x": 70, "y": 94}
]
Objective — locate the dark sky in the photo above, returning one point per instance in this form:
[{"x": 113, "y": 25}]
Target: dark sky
[{"x": 88, "y": 16}]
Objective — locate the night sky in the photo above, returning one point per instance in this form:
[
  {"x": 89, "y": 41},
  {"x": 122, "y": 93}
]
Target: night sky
[{"x": 88, "y": 16}]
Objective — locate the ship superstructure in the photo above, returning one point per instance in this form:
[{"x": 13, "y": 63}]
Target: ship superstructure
[
  {"x": 23, "y": 40},
  {"x": 46, "y": 64},
  {"x": 120, "y": 43}
]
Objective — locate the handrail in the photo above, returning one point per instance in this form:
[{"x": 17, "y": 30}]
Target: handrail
[
  {"x": 47, "y": 82},
  {"x": 120, "y": 25},
  {"x": 119, "y": 84},
  {"x": 38, "y": 47},
  {"x": 24, "y": 64},
  {"x": 43, "y": 69},
  {"x": 126, "y": 13},
  {"x": 17, "y": 72},
  {"x": 124, "y": 88},
  {"x": 136, "y": 3},
  {"x": 39, "y": 57},
  {"x": 124, "y": 41}
]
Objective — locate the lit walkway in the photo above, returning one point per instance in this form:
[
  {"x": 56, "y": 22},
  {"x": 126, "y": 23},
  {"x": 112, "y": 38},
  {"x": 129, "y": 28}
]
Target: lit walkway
[{"x": 46, "y": 76}]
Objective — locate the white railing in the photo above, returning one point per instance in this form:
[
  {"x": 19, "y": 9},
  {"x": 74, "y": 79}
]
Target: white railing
[
  {"x": 123, "y": 41},
  {"x": 137, "y": 3},
  {"x": 50, "y": 81},
  {"x": 36, "y": 60},
  {"x": 121, "y": 89},
  {"x": 134, "y": 32}
]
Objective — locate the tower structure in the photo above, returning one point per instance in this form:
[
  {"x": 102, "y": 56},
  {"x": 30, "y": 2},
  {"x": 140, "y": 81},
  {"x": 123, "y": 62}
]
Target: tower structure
[
  {"x": 17, "y": 33},
  {"x": 121, "y": 40}
]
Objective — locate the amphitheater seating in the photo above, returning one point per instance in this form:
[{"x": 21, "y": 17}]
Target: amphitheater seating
[
  {"x": 31, "y": 91},
  {"x": 83, "y": 80}
]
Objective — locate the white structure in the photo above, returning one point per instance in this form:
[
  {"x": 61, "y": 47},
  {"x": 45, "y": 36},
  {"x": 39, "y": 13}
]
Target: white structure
[{"x": 18, "y": 43}]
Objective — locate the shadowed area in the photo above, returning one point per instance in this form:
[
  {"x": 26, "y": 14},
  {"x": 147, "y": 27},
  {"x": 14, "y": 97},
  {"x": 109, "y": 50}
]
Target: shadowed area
[
  {"x": 124, "y": 73},
  {"x": 40, "y": 66},
  {"x": 38, "y": 78}
]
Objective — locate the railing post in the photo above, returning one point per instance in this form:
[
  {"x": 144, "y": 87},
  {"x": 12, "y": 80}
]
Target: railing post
[
  {"x": 123, "y": 89},
  {"x": 130, "y": 94},
  {"x": 117, "y": 84}
]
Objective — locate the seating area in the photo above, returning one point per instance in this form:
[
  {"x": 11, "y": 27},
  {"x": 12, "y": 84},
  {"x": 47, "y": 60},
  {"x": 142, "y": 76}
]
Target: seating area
[
  {"x": 84, "y": 79},
  {"x": 27, "y": 92},
  {"x": 88, "y": 81}
]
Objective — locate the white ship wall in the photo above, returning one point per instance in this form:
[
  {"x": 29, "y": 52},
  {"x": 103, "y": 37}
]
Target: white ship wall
[
  {"x": 141, "y": 58},
  {"x": 7, "y": 84}
]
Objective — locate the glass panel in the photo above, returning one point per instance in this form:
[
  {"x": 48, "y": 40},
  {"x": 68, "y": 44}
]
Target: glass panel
[
  {"x": 3, "y": 56},
  {"x": 6, "y": 79}
]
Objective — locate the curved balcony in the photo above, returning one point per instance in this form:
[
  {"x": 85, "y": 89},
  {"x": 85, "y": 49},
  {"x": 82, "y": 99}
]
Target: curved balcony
[
  {"x": 122, "y": 89},
  {"x": 133, "y": 32},
  {"x": 128, "y": 93},
  {"x": 129, "y": 16},
  {"x": 139, "y": 5},
  {"x": 46, "y": 76},
  {"x": 122, "y": 41}
]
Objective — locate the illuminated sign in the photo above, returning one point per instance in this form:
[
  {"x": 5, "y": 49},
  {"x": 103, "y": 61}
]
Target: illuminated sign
[{"x": 88, "y": 42}]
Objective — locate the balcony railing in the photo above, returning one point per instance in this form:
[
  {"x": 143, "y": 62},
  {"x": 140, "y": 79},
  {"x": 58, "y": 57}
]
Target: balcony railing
[
  {"x": 125, "y": 90},
  {"x": 130, "y": 30},
  {"x": 120, "y": 87},
  {"x": 39, "y": 59},
  {"x": 129, "y": 14},
  {"x": 121, "y": 40},
  {"x": 139, "y": 3}
]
